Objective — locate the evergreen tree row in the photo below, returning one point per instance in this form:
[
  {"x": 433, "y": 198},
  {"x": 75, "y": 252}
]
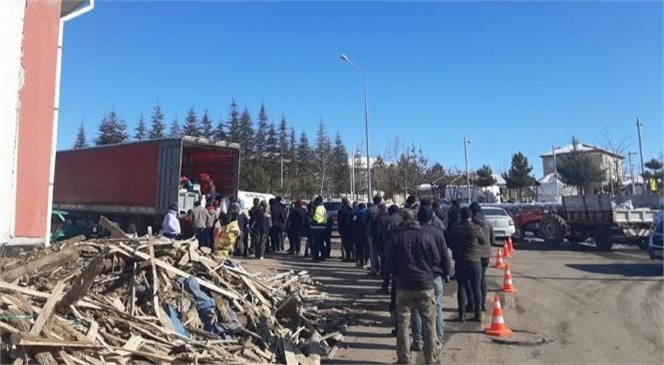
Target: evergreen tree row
[{"x": 274, "y": 158}]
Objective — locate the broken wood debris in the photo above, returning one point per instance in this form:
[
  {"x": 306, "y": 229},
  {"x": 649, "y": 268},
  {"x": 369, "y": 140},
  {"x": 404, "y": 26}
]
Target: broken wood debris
[{"x": 127, "y": 300}]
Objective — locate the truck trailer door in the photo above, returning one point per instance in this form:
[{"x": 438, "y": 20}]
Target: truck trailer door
[{"x": 170, "y": 155}]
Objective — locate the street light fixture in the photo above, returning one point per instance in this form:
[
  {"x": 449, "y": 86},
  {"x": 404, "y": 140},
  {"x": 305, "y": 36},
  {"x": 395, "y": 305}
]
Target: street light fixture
[{"x": 366, "y": 121}]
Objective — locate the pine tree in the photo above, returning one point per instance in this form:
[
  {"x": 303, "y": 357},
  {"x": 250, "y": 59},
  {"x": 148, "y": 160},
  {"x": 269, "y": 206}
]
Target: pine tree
[
  {"x": 190, "y": 127},
  {"x": 112, "y": 130},
  {"x": 283, "y": 135},
  {"x": 220, "y": 131},
  {"x": 141, "y": 130},
  {"x": 81, "y": 139},
  {"x": 272, "y": 160},
  {"x": 261, "y": 133},
  {"x": 234, "y": 123},
  {"x": 206, "y": 129},
  {"x": 485, "y": 177},
  {"x": 340, "y": 168},
  {"x": 158, "y": 127},
  {"x": 323, "y": 153},
  {"x": 175, "y": 131},
  {"x": 246, "y": 134},
  {"x": 518, "y": 177},
  {"x": 305, "y": 169}
]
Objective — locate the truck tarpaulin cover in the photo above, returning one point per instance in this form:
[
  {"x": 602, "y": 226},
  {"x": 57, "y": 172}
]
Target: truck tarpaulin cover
[{"x": 115, "y": 175}]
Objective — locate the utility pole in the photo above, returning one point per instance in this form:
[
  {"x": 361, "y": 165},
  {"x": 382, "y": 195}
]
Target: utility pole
[
  {"x": 282, "y": 172},
  {"x": 638, "y": 128},
  {"x": 631, "y": 170},
  {"x": 466, "y": 142}
]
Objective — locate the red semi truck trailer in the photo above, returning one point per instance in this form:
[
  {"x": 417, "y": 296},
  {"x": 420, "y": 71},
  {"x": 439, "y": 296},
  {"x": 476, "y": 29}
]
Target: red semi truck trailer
[{"x": 134, "y": 183}]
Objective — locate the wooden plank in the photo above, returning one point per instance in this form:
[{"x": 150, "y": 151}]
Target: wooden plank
[
  {"x": 47, "y": 310},
  {"x": 93, "y": 331},
  {"x": 38, "y": 294},
  {"x": 112, "y": 228},
  {"x": 80, "y": 285},
  {"x": 314, "y": 348},
  {"x": 168, "y": 267},
  {"x": 41, "y": 265},
  {"x": 257, "y": 294},
  {"x": 288, "y": 346},
  {"x": 148, "y": 355},
  {"x": 66, "y": 358},
  {"x": 27, "y": 340}
]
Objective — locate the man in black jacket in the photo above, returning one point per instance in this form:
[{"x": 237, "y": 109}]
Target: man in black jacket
[
  {"x": 297, "y": 224},
  {"x": 425, "y": 216},
  {"x": 374, "y": 253},
  {"x": 278, "y": 213},
  {"x": 344, "y": 218},
  {"x": 412, "y": 259},
  {"x": 468, "y": 239},
  {"x": 379, "y": 227},
  {"x": 479, "y": 219}
]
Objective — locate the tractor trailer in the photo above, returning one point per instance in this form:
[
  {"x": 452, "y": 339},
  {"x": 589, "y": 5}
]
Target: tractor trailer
[{"x": 133, "y": 183}]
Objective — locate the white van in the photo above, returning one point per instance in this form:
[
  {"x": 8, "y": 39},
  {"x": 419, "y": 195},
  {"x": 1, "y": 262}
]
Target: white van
[{"x": 246, "y": 199}]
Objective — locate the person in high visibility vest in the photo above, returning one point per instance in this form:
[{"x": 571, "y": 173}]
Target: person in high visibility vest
[{"x": 318, "y": 230}]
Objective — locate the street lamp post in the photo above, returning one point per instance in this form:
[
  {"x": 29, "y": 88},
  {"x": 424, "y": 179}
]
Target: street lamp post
[
  {"x": 466, "y": 142},
  {"x": 366, "y": 121}
]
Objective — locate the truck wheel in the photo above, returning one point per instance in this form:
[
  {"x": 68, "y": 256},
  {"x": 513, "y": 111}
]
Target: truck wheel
[
  {"x": 553, "y": 228},
  {"x": 643, "y": 244},
  {"x": 603, "y": 238}
]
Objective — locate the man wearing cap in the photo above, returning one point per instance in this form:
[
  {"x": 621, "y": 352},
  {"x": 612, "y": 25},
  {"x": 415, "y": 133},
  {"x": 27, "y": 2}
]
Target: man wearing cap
[{"x": 171, "y": 223}]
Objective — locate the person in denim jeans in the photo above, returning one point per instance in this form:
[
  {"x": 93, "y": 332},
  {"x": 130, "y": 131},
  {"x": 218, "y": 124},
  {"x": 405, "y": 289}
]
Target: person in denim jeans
[{"x": 441, "y": 274}]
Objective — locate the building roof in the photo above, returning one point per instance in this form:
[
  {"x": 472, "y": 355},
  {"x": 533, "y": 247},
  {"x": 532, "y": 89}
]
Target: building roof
[
  {"x": 581, "y": 147},
  {"x": 69, "y": 6}
]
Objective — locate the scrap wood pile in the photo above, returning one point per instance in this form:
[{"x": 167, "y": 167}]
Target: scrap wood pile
[{"x": 131, "y": 300}]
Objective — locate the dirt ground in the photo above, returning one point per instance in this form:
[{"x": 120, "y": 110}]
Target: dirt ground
[{"x": 575, "y": 305}]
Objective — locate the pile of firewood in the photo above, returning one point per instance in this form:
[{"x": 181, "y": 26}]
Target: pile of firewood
[{"x": 125, "y": 300}]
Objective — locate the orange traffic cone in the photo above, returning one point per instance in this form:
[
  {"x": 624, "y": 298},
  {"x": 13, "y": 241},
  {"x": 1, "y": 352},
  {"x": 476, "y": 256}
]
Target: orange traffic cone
[
  {"x": 498, "y": 327},
  {"x": 500, "y": 264},
  {"x": 509, "y": 240},
  {"x": 506, "y": 250},
  {"x": 508, "y": 287}
]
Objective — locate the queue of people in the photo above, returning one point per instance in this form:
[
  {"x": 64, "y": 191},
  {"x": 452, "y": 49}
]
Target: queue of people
[{"x": 408, "y": 247}]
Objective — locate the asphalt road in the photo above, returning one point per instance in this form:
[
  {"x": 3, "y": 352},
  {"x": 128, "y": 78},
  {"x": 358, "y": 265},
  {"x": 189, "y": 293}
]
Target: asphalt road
[{"x": 575, "y": 305}]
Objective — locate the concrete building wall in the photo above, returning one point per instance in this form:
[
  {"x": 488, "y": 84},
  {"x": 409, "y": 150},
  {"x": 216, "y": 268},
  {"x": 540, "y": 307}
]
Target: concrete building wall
[
  {"x": 12, "y": 14},
  {"x": 35, "y": 130}
]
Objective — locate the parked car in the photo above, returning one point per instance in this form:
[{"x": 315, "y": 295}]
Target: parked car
[
  {"x": 332, "y": 207},
  {"x": 655, "y": 242},
  {"x": 65, "y": 225},
  {"x": 502, "y": 223}
]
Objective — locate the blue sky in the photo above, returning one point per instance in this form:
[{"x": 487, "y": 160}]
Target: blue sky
[{"x": 513, "y": 76}]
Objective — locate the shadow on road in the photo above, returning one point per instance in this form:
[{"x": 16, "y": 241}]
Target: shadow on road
[{"x": 655, "y": 269}]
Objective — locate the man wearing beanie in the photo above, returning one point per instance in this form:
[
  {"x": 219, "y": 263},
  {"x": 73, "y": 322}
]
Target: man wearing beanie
[
  {"x": 441, "y": 273},
  {"x": 469, "y": 240}
]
